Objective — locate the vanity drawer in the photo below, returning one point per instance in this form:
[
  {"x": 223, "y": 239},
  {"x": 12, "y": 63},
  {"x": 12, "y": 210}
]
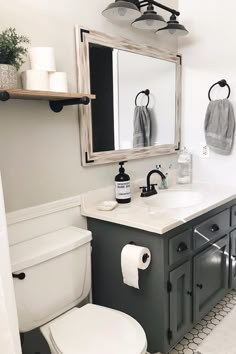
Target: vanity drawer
[
  {"x": 212, "y": 228},
  {"x": 233, "y": 215},
  {"x": 179, "y": 246}
]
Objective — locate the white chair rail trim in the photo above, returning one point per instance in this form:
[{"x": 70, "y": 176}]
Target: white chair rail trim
[{"x": 21, "y": 215}]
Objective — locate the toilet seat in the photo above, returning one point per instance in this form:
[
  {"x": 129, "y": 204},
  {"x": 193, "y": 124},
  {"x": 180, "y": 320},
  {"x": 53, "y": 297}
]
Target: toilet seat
[{"x": 94, "y": 329}]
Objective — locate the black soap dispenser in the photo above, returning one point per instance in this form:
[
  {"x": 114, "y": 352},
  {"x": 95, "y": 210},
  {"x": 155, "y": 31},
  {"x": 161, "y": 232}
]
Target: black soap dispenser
[{"x": 122, "y": 182}]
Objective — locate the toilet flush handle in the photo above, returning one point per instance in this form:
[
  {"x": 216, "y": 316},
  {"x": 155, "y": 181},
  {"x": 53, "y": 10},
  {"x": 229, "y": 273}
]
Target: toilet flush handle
[{"x": 20, "y": 276}]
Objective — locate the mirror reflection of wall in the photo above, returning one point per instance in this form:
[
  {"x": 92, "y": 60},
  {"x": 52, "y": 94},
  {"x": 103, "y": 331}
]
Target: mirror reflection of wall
[
  {"x": 136, "y": 73},
  {"x": 101, "y": 81},
  {"x": 116, "y": 77}
]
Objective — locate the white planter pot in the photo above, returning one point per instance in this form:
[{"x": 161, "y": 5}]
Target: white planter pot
[{"x": 8, "y": 76}]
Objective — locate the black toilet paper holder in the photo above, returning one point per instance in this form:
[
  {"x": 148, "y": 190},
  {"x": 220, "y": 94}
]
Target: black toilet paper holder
[{"x": 145, "y": 256}]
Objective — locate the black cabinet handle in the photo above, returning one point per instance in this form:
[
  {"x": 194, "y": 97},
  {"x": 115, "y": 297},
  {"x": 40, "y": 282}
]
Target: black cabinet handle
[
  {"x": 200, "y": 286},
  {"x": 20, "y": 276},
  {"x": 182, "y": 247},
  {"x": 190, "y": 293},
  {"x": 215, "y": 228}
]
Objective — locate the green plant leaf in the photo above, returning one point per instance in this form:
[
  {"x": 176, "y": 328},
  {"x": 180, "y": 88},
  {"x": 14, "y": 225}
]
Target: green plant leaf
[{"x": 13, "y": 47}]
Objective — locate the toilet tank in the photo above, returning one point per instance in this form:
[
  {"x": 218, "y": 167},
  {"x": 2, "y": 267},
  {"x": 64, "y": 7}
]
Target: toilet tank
[{"x": 57, "y": 269}]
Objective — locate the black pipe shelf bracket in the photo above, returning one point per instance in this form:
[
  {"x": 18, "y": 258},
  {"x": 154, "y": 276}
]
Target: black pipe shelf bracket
[
  {"x": 57, "y": 101},
  {"x": 57, "y": 106},
  {"x": 4, "y": 96}
]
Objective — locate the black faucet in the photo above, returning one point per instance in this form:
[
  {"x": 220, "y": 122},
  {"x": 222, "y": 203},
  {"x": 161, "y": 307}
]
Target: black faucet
[{"x": 150, "y": 188}]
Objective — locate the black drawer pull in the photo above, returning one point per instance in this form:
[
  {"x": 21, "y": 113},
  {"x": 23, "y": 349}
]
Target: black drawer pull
[
  {"x": 200, "y": 286},
  {"x": 190, "y": 293},
  {"x": 182, "y": 247},
  {"x": 215, "y": 228},
  {"x": 20, "y": 276}
]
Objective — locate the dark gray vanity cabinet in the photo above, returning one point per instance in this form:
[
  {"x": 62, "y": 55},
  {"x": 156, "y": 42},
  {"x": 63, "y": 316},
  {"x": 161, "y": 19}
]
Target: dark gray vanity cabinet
[
  {"x": 233, "y": 259},
  {"x": 188, "y": 274},
  {"x": 211, "y": 229},
  {"x": 180, "y": 247},
  {"x": 233, "y": 248},
  {"x": 180, "y": 301},
  {"x": 210, "y": 277},
  {"x": 233, "y": 215}
]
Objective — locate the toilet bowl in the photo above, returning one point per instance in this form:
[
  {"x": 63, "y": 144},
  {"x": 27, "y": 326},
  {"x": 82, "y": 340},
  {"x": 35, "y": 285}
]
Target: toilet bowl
[
  {"x": 84, "y": 330},
  {"x": 57, "y": 277}
]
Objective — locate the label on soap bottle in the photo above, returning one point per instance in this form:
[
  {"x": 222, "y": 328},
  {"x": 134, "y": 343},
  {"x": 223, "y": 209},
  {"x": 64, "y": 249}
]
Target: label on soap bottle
[{"x": 123, "y": 190}]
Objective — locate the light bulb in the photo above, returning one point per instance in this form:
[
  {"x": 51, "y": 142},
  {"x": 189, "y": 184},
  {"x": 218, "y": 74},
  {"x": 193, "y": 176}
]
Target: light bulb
[
  {"x": 149, "y": 23},
  {"x": 122, "y": 11},
  {"x": 171, "y": 30}
]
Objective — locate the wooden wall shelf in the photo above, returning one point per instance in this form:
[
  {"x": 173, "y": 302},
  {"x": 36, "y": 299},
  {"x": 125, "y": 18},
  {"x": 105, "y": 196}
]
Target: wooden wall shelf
[{"x": 57, "y": 100}]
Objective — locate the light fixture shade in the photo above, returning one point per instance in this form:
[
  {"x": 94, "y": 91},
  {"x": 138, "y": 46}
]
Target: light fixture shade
[
  {"x": 121, "y": 11},
  {"x": 173, "y": 28},
  {"x": 149, "y": 21}
]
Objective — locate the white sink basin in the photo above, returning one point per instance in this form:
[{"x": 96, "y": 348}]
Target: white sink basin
[{"x": 174, "y": 199}]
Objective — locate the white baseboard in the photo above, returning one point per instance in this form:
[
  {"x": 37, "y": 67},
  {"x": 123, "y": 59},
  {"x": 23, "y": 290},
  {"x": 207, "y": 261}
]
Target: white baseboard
[{"x": 34, "y": 221}]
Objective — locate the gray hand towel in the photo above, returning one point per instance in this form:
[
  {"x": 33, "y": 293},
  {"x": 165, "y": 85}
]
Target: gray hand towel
[
  {"x": 142, "y": 127},
  {"x": 219, "y": 126}
]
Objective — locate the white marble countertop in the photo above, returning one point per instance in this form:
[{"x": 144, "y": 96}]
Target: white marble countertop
[{"x": 140, "y": 214}]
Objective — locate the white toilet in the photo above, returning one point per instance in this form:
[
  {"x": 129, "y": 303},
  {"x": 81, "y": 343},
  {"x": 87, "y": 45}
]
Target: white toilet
[{"x": 57, "y": 268}]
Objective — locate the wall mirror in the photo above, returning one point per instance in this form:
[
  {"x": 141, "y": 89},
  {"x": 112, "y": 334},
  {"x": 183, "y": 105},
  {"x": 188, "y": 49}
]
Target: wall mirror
[{"x": 136, "y": 112}]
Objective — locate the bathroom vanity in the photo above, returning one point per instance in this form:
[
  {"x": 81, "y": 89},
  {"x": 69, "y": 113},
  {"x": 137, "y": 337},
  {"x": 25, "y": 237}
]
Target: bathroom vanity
[{"x": 193, "y": 260}]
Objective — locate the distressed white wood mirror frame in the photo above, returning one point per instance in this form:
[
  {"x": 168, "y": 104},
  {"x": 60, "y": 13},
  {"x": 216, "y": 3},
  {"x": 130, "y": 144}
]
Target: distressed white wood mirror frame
[{"x": 88, "y": 156}]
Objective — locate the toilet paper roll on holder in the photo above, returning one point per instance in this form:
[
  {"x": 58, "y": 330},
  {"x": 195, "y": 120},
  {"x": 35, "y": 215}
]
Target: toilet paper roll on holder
[{"x": 145, "y": 256}]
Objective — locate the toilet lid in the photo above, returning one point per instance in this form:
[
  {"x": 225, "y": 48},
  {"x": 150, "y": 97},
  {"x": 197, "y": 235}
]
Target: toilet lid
[{"x": 94, "y": 329}]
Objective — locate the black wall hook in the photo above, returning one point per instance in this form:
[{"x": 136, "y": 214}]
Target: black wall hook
[
  {"x": 221, "y": 83},
  {"x": 144, "y": 92}
]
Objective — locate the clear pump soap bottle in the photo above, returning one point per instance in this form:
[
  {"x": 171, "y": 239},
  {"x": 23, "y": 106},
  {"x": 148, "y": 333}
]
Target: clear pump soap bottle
[{"x": 184, "y": 167}]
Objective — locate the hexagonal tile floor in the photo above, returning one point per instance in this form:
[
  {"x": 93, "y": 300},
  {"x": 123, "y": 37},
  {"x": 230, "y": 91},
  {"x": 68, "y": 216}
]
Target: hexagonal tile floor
[{"x": 191, "y": 341}]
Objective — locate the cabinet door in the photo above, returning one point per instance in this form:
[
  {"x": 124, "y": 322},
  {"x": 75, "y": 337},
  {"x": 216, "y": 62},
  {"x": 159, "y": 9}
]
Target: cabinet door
[
  {"x": 180, "y": 301},
  {"x": 233, "y": 259},
  {"x": 211, "y": 269}
]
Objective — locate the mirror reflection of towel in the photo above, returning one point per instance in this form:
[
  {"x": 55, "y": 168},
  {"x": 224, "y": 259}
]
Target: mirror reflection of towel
[
  {"x": 219, "y": 126},
  {"x": 142, "y": 127}
]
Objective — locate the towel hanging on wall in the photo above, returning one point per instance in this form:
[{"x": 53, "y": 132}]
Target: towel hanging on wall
[
  {"x": 142, "y": 123},
  {"x": 220, "y": 123}
]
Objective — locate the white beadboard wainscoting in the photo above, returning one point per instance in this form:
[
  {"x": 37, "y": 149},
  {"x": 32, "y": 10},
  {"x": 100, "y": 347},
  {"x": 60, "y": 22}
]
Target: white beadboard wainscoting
[{"x": 25, "y": 224}]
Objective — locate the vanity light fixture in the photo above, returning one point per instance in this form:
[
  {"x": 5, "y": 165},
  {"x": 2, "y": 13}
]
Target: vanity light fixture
[
  {"x": 122, "y": 10},
  {"x": 174, "y": 28},
  {"x": 149, "y": 20},
  {"x": 130, "y": 10}
]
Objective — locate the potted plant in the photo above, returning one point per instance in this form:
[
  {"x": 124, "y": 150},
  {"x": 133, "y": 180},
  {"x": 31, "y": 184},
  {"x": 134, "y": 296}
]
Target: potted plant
[{"x": 12, "y": 52}]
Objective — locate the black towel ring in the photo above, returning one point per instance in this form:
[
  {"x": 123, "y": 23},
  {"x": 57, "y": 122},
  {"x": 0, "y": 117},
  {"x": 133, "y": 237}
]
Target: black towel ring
[
  {"x": 145, "y": 92},
  {"x": 222, "y": 83}
]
